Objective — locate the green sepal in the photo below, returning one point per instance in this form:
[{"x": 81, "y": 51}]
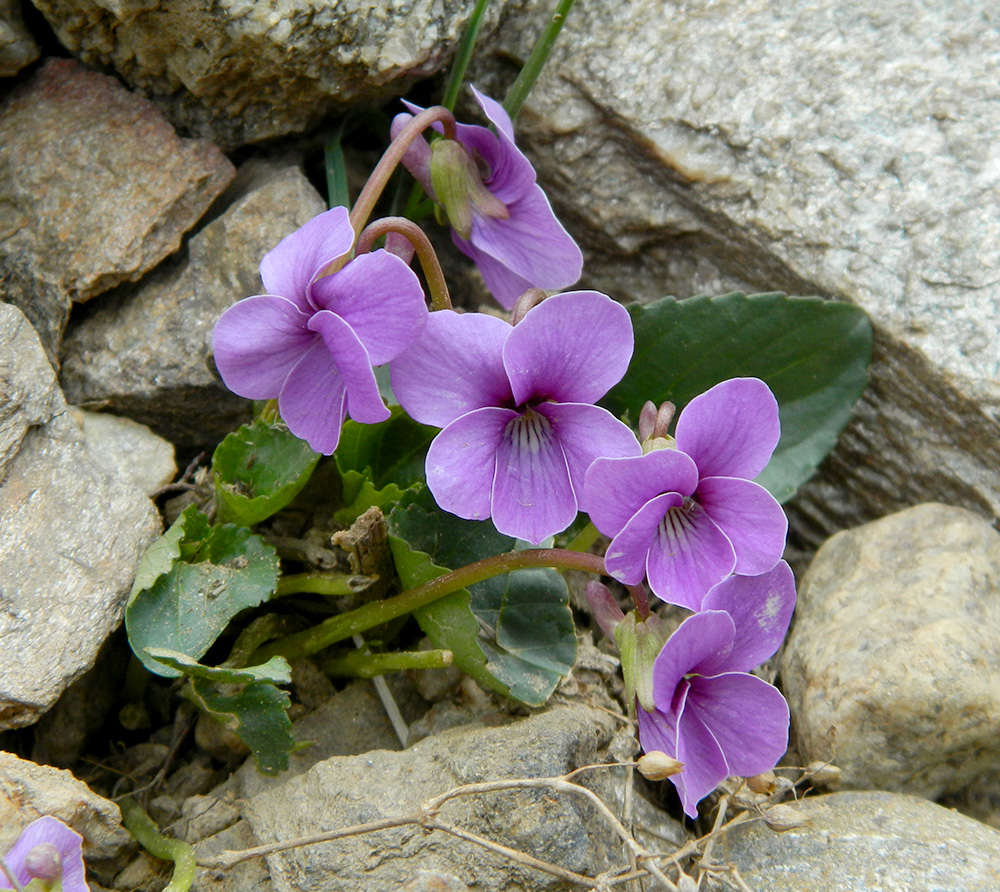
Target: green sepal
[{"x": 639, "y": 643}]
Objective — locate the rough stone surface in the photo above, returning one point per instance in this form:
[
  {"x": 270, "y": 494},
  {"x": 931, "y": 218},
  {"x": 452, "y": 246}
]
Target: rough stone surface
[
  {"x": 95, "y": 190},
  {"x": 345, "y": 790},
  {"x": 29, "y": 791},
  {"x": 817, "y": 148},
  {"x": 17, "y": 46},
  {"x": 70, "y": 538},
  {"x": 244, "y": 71},
  {"x": 860, "y": 842},
  {"x": 29, "y": 392},
  {"x": 129, "y": 450},
  {"x": 892, "y": 669},
  {"x": 146, "y": 353}
]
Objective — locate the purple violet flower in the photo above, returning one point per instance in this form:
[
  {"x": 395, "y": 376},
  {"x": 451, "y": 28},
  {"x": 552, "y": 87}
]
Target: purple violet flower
[
  {"x": 711, "y": 714},
  {"x": 507, "y": 225},
  {"x": 516, "y": 407},
  {"x": 686, "y": 518},
  {"x": 311, "y": 342},
  {"x": 49, "y": 850}
]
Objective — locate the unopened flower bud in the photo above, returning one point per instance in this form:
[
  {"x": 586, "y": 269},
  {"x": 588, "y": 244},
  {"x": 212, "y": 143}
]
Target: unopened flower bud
[
  {"x": 765, "y": 783},
  {"x": 657, "y": 766},
  {"x": 459, "y": 187},
  {"x": 784, "y": 817},
  {"x": 44, "y": 863},
  {"x": 607, "y": 613},
  {"x": 823, "y": 773}
]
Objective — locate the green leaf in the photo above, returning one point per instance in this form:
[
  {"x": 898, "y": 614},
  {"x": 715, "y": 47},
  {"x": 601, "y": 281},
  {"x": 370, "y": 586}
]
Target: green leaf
[
  {"x": 258, "y": 713},
  {"x": 513, "y": 633},
  {"x": 813, "y": 354},
  {"x": 219, "y": 571},
  {"x": 158, "y": 559},
  {"x": 391, "y": 452},
  {"x": 275, "y": 670},
  {"x": 259, "y": 469}
]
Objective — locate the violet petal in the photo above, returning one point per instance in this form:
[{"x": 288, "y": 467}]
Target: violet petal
[
  {"x": 628, "y": 552},
  {"x": 456, "y": 366},
  {"x": 615, "y": 489},
  {"x": 748, "y": 717},
  {"x": 750, "y": 517},
  {"x": 586, "y": 433},
  {"x": 461, "y": 462},
  {"x": 288, "y": 268},
  {"x": 364, "y": 402},
  {"x": 730, "y": 430},
  {"x": 530, "y": 242},
  {"x": 689, "y": 556},
  {"x": 532, "y": 494},
  {"x": 380, "y": 297},
  {"x": 256, "y": 343},
  {"x": 68, "y": 842},
  {"x": 705, "y": 765},
  {"x": 699, "y": 644},
  {"x": 505, "y": 285},
  {"x": 657, "y": 730},
  {"x": 571, "y": 348},
  {"x": 511, "y": 173},
  {"x": 761, "y": 608},
  {"x": 313, "y": 400}
]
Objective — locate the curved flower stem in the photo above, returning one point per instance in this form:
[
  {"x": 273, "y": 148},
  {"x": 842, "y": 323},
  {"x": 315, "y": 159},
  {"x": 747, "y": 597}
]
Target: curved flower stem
[
  {"x": 370, "y": 194},
  {"x": 440, "y": 299},
  {"x": 148, "y": 835},
  {"x": 360, "y": 664},
  {"x": 338, "y": 628},
  {"x": 9, "y": 874},
  {"x": 525, "y": 80}
]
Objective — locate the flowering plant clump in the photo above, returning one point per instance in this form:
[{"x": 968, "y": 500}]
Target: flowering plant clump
[
  {"x": 47, "y": 857},
  {"x": 487, "y": 431}
]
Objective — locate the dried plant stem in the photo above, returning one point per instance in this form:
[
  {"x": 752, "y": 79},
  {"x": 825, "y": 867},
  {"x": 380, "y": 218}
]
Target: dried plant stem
[{"x": 428, "y": 818}]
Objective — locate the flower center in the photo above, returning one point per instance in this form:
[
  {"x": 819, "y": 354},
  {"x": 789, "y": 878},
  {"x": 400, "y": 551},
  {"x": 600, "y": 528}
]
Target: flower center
[{"x": 529, "y": 432}]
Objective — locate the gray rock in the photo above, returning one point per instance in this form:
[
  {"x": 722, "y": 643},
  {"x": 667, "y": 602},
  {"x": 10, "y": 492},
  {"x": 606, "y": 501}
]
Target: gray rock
[
  {"x": 815, "y": 148},
  {"x": 146, "y": 354},
  {"x": 346, "y": 790},
  {"x": 860, "y": 842},
  {"x": 95, "y": 189},
  {"x": 70, "y": 538},
  {"x": 127, "y": 449},
  {"x": 242, "y": 72},
  {"x": 17, "y": 46},
  {"x": 29, "y": 791},
  {"x": 29, "y": 393},
  {"x": 892, "y": 669}
]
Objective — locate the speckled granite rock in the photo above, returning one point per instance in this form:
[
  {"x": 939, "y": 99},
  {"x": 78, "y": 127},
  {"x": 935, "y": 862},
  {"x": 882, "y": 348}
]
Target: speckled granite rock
[
  {"x": 17, "y": 46},
  {"x": 95, "y": 189},
  {"x": 244, "y": 71},
  {"x": 892, "y": 669},
  {"x": 146, "y": 352},
  {"x": 862, "y": 842},
  {"x": 818, "y": 148}
]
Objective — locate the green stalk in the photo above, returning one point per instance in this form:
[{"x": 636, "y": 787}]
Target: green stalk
[
  {"x": 322, "y": 584},
  {"x": 148, "y": 835},
  {"x": 584, "y": 539},
  {"x": 463, "y": 55},
  {"x": 525, "y": 80},
  {"x": 359, "y": 664},
  {"x": 336, "y": 171},
  {"x": 339, "y": 628}
]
